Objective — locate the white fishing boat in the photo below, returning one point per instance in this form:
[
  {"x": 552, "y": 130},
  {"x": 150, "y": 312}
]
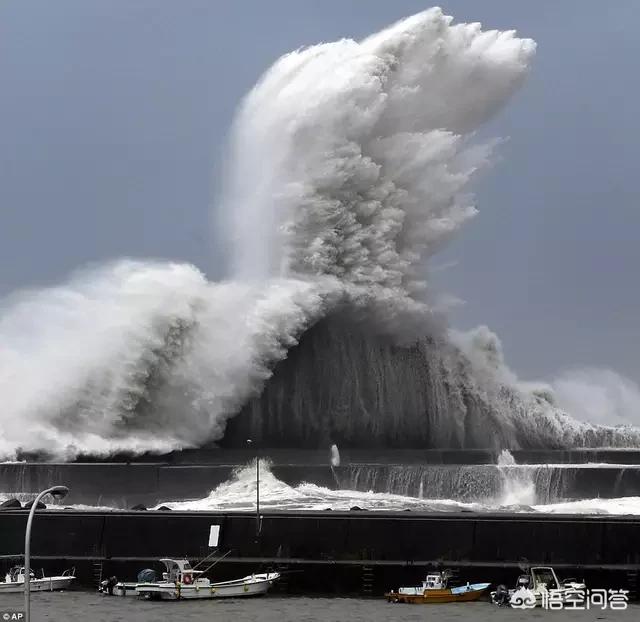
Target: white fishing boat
[
  {"x": 538, "y": 587},
  {"x": 182, "y": 582},
  {"x": 14, "y": 581}
]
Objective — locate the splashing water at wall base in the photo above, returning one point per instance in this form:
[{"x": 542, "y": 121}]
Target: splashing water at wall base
[
  {"x": 518, "y": 485},
  {"x": 239, "y": 494}
]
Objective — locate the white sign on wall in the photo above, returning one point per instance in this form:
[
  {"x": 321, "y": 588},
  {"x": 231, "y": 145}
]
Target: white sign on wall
[{"x": 214, "y": 535}]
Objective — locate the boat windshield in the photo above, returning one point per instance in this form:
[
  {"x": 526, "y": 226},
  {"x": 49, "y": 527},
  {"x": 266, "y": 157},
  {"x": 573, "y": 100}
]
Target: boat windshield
[
  {"x": 545, "y": 576},
  {"x": 17, "y": 573},
  {"x": 434, "y": 581}
]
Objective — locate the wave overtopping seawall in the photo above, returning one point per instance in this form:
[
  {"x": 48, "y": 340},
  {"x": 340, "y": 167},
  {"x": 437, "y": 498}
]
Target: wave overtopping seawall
[{"x": 349, "y": 167}]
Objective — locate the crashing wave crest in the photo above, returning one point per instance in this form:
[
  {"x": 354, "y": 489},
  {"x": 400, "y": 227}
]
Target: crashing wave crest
[{"x": 349, "y": 168}]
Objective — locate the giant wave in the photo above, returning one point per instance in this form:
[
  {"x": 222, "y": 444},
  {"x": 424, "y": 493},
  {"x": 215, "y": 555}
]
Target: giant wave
[{"x": 349, "y": 167}]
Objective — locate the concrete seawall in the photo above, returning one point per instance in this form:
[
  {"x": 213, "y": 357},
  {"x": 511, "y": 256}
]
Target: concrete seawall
[
  {"x": 290, "y": 456},
  {"x": 123, "y": 485}
]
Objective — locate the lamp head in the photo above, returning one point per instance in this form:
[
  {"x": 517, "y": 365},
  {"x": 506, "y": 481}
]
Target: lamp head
[{"x": 59, "y": 492}]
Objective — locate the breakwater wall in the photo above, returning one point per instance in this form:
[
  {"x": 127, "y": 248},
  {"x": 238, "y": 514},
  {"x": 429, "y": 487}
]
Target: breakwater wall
[
  {"x": 349, "y": 455},
  {"x": 121, "y": 485},
  {"x": 332, "y": 550},
  {"x": 124, "y": 485}
]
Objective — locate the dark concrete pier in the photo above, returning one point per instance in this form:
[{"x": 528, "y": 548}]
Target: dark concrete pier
[{"x": 329, "y": 551}]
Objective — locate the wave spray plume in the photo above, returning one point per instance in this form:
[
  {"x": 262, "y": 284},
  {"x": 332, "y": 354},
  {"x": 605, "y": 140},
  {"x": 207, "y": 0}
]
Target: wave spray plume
[{"x": 349, "y": 168}]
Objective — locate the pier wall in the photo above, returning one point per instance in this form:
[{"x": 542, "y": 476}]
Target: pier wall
[
  {"x": 396, "y": 537},
  {"x": 330, "y": 551}
]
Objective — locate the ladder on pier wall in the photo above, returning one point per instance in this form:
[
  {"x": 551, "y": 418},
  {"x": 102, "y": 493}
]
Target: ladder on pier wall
[
  {"x": 367, "y": 580},
  {"x": 97, "y": 573},
  {"x": 282, "y": 584},
  {"x": 632, "y": 584}
]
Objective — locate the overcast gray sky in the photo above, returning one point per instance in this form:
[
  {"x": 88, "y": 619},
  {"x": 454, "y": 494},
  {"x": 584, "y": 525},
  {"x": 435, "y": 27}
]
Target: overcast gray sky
[{"x": 113, "y": 116}]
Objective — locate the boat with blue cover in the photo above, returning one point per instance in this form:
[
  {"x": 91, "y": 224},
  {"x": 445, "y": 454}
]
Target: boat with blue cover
[{"x": 435, "y": 589}]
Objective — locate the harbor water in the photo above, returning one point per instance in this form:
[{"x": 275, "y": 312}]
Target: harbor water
[{"x": 77, "y": 606}]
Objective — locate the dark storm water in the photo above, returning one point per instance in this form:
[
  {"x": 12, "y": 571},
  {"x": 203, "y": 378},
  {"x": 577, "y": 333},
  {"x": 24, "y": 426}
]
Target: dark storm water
[{"x": 79, "y": 606}]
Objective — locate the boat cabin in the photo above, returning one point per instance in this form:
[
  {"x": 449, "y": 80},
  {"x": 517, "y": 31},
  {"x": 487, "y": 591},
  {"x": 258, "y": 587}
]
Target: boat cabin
[
  {"x": 436, "y": 581},
  {"x": 544, "y": 577},
  {"x": 179, "y": 571},
  {"x": 433, "y": 581}
]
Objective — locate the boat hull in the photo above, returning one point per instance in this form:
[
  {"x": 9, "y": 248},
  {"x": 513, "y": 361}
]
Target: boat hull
[
  {"x": 50, "y": 584},
  {"x": 121, "y": 589},
  {"x": 435, "y": 596},
  {"x": 253, "y": 585}
]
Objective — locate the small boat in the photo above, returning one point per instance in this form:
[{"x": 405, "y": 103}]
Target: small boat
[
  {"x": 181, "y": 581},
  {"x": 435, "y": 589},
  {"x": 537, "y": 587},
  {"x": 14, "y": 581}
]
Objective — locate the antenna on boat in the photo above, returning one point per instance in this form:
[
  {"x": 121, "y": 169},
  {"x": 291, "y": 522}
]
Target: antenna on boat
[
  {"x": 216, "y": 561},
  {"x": 204, "y": 559}
]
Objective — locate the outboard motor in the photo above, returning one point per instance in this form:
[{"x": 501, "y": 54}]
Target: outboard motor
[
  {"x": 501, "y": 597},
  {"x": 106, "y": 586}
]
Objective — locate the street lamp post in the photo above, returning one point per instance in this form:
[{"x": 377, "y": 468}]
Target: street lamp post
[
  {"x": 250, "y": 443},
  {"x": 57, "y": 492}
]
